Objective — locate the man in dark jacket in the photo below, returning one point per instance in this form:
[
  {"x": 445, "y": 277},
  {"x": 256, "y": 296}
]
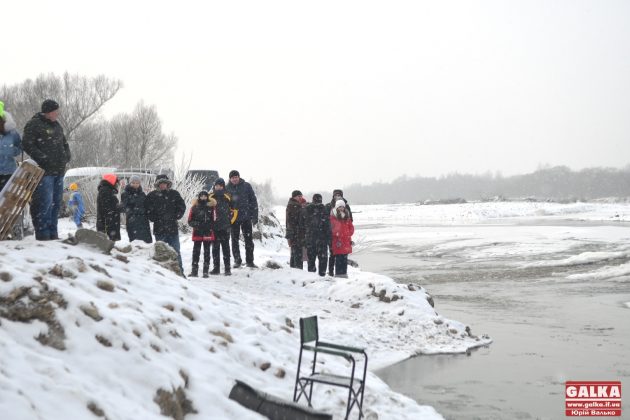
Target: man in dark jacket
[
  {"x": 337, "y": 195},
  {"x": 46, "y": 143},
  {"x": 223, "y": 217},
  {"x": 164, "y": 207},
  {"x": 294, "y": 225},
  {"x": 317, "y": 234},
  {"x": 108, "y": 207},
  {"x": 246, "y": 205},
  {"x": 133, "y": 205}
]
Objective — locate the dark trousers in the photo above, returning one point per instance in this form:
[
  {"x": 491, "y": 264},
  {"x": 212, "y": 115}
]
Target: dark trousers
[
  {"x": 3, "y": 180},
  {"x": 206, "y": 254},
  {"x": 319, "y": 251},
  {"x": 246, "y": 227},
  {"x": 297, "y": 259},
  {"x": 45, "y": 207},
  {"x": 341, "y": 264},
  {"x": 222, "y": 240},
  {"x": 331, "y": 261}
]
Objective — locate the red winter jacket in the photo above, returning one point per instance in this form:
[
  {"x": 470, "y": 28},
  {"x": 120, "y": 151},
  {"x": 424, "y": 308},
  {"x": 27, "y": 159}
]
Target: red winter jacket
[
  {"x": 201, "y": 220},
  {"x": 342, "y": 231}
]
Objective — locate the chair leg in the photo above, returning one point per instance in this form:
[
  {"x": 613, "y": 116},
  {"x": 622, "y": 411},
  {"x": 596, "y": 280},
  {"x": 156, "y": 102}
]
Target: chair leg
[
  {"x": 310, "y": 394},
  {"x": 297, "y": 376}
]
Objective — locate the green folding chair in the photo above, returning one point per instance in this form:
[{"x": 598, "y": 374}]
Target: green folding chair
[{"x": 309, "y": 340}]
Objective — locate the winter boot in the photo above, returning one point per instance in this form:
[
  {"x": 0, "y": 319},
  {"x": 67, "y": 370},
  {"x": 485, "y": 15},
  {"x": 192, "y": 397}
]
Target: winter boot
[
  {"x": 195, "y": 271},
  {"x": 237, "y": 263},
  {"x": 206, "y": 267},
  {"x": 251, "y": 265},
  {"x": 228, "y": 272},
  {"x": 215, "y": 270}
]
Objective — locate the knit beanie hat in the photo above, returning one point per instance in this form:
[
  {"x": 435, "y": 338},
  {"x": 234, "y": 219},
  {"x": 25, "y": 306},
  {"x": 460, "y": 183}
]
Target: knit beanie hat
[
  {"x": 73, "y": 186},
  {"x": 49, "y": 106},
  {"x": 317, "y": 198},
  {"x": 1, "y": 109},
  {"x": 219, "y": 181},
  {"x": 340, "y": 203},
  {"x": 337, "y": 192},
  {"x": 234, "y": 172},
  {"x": 134, "y": 178},
  {"x": 204, "y": 192},
  {"x": 295, "y": 193},
  {"x": 162, "y": 179},
  {"x": 111, "y": 178}
]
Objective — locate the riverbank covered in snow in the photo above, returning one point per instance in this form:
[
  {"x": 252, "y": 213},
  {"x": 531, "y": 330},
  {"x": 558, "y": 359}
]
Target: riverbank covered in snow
[{"x": 84, "y": 333}]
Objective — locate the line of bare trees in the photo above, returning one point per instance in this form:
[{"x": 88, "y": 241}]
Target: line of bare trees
[
  {"x": 558, "y": 183},
  {"x": 135, "y": 139}
]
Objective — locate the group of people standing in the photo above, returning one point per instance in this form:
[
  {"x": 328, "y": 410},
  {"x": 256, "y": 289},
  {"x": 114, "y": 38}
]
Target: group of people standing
[
  {"x": 215, "y": 217},
  {"x": 323, "y": 232}
]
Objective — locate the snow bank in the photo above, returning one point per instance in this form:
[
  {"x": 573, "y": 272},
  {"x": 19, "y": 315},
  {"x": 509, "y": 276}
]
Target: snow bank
[{"x": 83, "y": 333}]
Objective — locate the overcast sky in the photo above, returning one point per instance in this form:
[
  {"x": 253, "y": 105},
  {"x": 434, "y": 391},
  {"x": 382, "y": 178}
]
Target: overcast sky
[{"x": 317, "y": 95}]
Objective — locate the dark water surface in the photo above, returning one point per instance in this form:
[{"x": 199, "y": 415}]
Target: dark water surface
[{"x": 546, "y": 329}]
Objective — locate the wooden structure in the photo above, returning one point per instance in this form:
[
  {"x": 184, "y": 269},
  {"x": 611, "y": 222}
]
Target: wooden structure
[{"x": 16, "y": 194}]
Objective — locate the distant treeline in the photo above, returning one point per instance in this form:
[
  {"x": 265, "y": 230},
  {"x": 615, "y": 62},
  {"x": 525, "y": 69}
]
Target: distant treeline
[{"x": 557, "y": 183}]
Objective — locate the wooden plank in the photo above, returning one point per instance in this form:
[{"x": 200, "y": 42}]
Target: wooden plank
[{"x": 17, "y": 194}]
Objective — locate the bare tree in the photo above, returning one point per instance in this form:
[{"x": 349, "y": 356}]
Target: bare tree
[
  {"x": 137, "y": 140},
  {"x": 91, "y": 139},
  {"x": 80, "y": 97},
  {"x": 188, "y": 187}
]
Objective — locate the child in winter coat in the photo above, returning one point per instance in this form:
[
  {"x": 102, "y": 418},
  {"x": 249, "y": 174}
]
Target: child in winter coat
[
  {"x": 108, "y": 207},
  {"x": 133, "y": 205},
  {"x": 342, "y": 230},
  {"x": 201, "y": 219},
  {"x": 75, "y": 204},
  {"x": 224, "y": 216}
]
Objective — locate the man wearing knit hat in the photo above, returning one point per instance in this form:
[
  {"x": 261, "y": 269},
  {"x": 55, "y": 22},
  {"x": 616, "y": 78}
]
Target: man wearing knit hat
[
  {"x": 164, "y": 207},
  {"x": 45, "y": 142},
  {"x": 245, "y": 202},
  {"x": 295, "y": 231}
]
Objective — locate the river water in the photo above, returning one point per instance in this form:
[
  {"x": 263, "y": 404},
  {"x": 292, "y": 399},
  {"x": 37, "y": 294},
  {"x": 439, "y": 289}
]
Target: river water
[{"x": 501, "y": 279}]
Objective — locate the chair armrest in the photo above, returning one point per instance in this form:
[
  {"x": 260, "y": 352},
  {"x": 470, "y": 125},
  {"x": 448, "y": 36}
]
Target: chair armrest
[
  {"x": 340, "y": 347},
  {"x": 319, "y": 349}
]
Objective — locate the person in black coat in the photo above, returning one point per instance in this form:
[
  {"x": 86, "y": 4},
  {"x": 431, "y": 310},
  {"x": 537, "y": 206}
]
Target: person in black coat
[
  {"x": 201, "y": 219},
  {"x": 295, "y": 232},
  {"x": 133, "y": 205},
  {"x": 164, "y": 207},
  {"x": 245, "y": 203},
  {"x": 45, "y": 142},
  {"x": 317, "y": 234},
  {"x": 108, "y": 207},
  {"x": 223, "y": 218},
  {"x": 337, "y": 195}
]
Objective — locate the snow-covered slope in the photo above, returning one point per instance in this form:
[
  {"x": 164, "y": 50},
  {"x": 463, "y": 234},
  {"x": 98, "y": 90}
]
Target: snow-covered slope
[{"x": 84, "y": 334}]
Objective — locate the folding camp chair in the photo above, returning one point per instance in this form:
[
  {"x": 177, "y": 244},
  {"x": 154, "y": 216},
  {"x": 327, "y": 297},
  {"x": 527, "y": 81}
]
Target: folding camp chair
[{"x": 309, "y": 340}]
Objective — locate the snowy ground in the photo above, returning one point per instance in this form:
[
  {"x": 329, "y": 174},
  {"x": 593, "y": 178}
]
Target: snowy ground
[
  {"x": 119, "y": 328},
  {"x": 107, "y": 334}
]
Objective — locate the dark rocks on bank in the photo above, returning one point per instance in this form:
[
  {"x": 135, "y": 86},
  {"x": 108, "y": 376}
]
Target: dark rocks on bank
[{"x": 174, "y": 403}]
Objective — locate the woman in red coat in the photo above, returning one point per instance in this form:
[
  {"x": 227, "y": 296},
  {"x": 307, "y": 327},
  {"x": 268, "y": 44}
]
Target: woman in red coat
[{"x": 342, "y": 230}]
